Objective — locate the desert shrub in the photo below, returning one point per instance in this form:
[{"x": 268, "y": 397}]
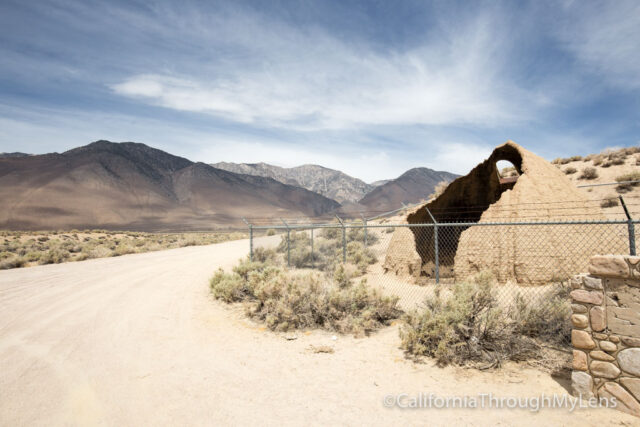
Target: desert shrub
[
  {"x": 598, "y": 159},
  {"x": 389, "y": 230},
  {"x": 546, "y": 318},
  {"x": 300, "y": 248},
  {"x": 301, "y": 257},
  {"x": 331, "y": 233},
  {"x": 631, "y": 176},
  {"x": 53, "y": 256},
  {"x": 81, "y": 257},
  {"x": 609, "y": 202},
  {"x": 261, "y": 254},
  {"x": 271, "y": 232},
  {"x": 575, "y": 158},
  {"x": 625, "y": 186},
  {"x": 228, "y": 287},
  {"x": 360, "y": 256},
  {"x": 123, "y": 249},
  {"x": 467, "y": 326},
  {"x": 617, "y": 158},
  {"x": 588, "y": 173},
  {"x": 342, "y": 276},
  {"x": 99, "y": 252},
  {"x": 285, "y": 301},
  {"x": 32, "y": 256},
  {"x": 188, "y": 242},
  {"x": 14, "y": 262},
  {"x": 570, "y": 170},
  {"x": 357, "y": 235},
  {"x": 245, "y": 267},
  {"x": 296, "y": 240}
]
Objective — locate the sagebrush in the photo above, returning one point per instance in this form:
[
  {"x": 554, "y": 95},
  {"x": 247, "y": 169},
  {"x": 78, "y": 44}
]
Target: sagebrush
[
  {"x": 286, "y": 300},
  {"x": 469, "y": 326}
]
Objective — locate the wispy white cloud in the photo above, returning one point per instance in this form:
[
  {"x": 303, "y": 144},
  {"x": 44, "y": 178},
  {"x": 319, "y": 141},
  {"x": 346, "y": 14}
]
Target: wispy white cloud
[
  {"x": 310, "y": 80},
  {"x": 605, "y": 37}
]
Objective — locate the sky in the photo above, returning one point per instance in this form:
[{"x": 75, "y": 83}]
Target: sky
[{"x": 371, "y": 88}]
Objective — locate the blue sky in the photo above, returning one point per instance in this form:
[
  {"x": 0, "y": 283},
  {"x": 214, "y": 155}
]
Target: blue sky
[{"x": 372, "y": 88}]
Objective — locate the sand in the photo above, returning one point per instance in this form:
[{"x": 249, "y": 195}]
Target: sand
[{"x": 137, "y": 340}]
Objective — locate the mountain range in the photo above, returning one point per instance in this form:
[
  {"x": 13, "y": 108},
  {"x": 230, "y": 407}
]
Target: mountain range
[
  {"x": 136, "y": 187},
  {"x": 330, "y": 183}
]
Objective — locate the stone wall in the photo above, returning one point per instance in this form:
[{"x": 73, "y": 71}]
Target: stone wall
[{"x": 606, "y": 331}]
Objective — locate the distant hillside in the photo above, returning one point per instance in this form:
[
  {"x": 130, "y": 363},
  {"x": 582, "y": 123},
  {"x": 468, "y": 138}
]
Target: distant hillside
[
  {"x": 330, "y": 183},
  {"x": 16, "y": 154},
  {"x": 410, "y": 187},
  {"x": 135, "y": 187}
]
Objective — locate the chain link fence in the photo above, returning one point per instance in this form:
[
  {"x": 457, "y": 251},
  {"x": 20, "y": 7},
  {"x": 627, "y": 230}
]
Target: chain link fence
[{"x": 532, "y": 263}]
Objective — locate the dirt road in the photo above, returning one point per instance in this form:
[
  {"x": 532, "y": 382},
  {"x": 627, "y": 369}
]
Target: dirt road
[{"x": 137, "y": 340}]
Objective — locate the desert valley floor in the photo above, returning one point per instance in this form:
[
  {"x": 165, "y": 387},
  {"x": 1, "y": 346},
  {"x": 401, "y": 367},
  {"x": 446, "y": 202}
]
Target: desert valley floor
[{"x": 138, "y": 340}]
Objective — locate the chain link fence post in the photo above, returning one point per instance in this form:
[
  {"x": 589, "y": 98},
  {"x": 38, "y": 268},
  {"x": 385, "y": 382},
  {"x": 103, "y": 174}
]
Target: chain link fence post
[
  {"x": 250, "y": 239},
  {"x": 630, "y": 228},
  {"x": 344, "y": 240},
  {"x": 435, "y": 245}
]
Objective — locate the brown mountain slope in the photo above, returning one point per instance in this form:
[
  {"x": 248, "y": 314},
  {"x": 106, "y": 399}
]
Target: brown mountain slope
[
  {"x": 410, "y": 187},
  {"x": 133, "y": 186}
]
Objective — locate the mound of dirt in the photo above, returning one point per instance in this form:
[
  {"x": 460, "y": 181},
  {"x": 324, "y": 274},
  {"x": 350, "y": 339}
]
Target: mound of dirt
[{"x": 540, "y": 192}]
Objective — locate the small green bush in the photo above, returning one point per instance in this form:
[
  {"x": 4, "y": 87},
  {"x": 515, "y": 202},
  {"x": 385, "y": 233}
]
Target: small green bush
[
  {"x": 570, "y": 170},
  {"x": 271, "y": 232}
]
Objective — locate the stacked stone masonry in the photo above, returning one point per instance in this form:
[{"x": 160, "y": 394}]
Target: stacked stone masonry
[{"x": 606, "y": 331}]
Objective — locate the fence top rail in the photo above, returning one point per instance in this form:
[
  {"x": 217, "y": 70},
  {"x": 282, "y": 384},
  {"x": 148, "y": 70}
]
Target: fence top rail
[
  {"x": 443, "y": 224},
  {"x": 608, "y": 183}
]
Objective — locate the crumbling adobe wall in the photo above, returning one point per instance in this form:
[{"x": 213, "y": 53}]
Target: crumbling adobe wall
[{"x": 541, "y": 193}]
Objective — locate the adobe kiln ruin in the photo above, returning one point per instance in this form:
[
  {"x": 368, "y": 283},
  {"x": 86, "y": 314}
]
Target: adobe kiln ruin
[{"x": 541, "y": 192}]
